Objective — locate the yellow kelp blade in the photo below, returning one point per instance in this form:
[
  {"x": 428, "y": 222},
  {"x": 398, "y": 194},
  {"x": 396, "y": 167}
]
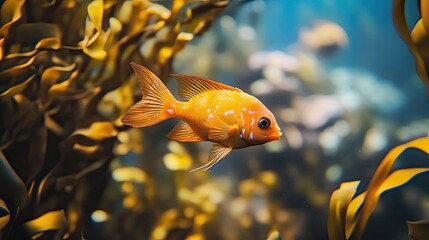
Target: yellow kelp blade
[
  {"x": 361, "y": 207},
  {"x": 424, "y": 11},
  {"x": 4, "y": 214},
  {"x": 380, "y": 175},
  {"x": 340, "y": 199},
  {"x": 98, "y": 131},
  {"x": 399, "y": 178},
  {"x": 400, "y": 22},
  {"x": 10, "y": 12},
  {"x": 93, "y": 45},
  {"x": 273, "y": 233},
  {"x": 420, "y": 37},
  {"x": 418, "y": 229},
  {"x": 394, "y": 180},
  {"x": 17, "y": 88},
  {"x": 55, "y": 220}
]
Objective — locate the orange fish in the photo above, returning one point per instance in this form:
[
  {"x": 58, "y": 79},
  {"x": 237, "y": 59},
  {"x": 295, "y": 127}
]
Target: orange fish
[{"x": 224, "y": 115}]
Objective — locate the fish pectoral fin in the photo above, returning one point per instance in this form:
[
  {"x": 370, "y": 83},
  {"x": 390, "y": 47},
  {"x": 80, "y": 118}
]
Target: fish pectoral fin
[
  {"x": 182, "y": 132},
  {"x": 220, "y": 131},
  {"x": 190, "y": 85},
  {"x": 217, "y": 153}
]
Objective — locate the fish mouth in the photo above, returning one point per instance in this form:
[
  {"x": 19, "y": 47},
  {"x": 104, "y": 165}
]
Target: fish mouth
[{"x": 275, "y": 135}]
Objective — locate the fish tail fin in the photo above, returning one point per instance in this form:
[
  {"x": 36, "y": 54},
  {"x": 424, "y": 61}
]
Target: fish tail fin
[{"x": 157, "y": 103}]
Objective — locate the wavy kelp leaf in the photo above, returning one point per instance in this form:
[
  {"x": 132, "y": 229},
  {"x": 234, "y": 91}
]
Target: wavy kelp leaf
[
  {"x": 95, "y": 14},
  {"x": 424, "y": 11},
  {"x": 93, "y": 44},
  {"x": 394, "y": 180},
  {"x": 30, "y": 33},
  {"x": 11, "y": 188},
  {"x": 202, "y": 16},
  {"x": 52, "y": 76},
  {"x": 135, "y": 15},
  {"x": 16, "y": 71},
  {"x": 1, "y": 47},
  {"x": 399, "y": 178},
  {"x": 354, "y": 214},
  {"x": 43, "y": 44},
  {"x": 98, "y": 131},
  {"x": 418, "y": 230},
  {"x": 96, "y": 48},
  {"x": 340, "y": 199},
  {"x": 380, "y": 176},
  {"x": 100, "y": 38},
  {"x": 421, "y": 40},
  {"x": 68, "y": 180},
  {"x": 63, "y": 91},
  {"x": 403, "y": 30},
  {"x": 54, "y": 220},
  {"x": 4, "y": 214},
  {"x": 34, "y": 36},
  {"x": 17, "y": 89},
  {"x": 10, "y": 12},
  {"x": 182, "y": 39}
]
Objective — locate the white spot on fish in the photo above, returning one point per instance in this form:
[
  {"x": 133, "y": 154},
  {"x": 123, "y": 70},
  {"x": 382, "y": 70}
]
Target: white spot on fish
[
  {"x": 242, "y": 131},
  {"x": 210, "y": 115},
  {"x": 244, "y": 109},
  {"x": 209, "y": 110},
  {"x": 170, "y": 111},
  {"x": 251, "y": 112},
  {"x": 228, "y": 112},
  {"x": 241, "y": 135},
  {"x": 251, "y": 135},
  {"x": 242, "y": 119},
  {"x": 253, "y": 122},
  {"x": 217, "y": 106}
]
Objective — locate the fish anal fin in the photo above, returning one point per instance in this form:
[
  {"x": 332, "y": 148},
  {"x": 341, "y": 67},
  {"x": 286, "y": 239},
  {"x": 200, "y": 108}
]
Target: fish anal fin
[
  {"x": 217, "y": 153},
  {"x": 220, "y": 131},
  {"x": 182, "y": 132},
  {"x": 190, "y": 85}
]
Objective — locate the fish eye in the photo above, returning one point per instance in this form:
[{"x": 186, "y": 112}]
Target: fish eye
[{"x": 264, "y": 123}]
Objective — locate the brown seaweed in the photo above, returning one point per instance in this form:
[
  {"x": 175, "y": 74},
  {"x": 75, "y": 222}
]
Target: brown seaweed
[{"x": 63, "y": 67}]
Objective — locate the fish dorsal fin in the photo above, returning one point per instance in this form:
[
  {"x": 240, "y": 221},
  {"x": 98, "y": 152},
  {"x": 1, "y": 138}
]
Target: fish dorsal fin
[
  {"x": 217, "y": 153},
  {"x": 190, "y": 86},
  {"x": 182, "y": 132}
]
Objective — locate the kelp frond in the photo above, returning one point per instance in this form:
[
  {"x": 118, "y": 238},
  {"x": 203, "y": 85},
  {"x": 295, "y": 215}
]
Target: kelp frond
[
  {"x": 349, "y": 214},
  {"x": 418, "y": 39},
  {"x": 65, "y": 80}
]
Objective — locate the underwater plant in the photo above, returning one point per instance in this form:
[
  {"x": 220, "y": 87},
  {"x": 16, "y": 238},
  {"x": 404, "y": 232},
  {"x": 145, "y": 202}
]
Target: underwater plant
[
  {"x": 65, "y": 80},
  {"x": 349, "y": 213},
  {"x": 418, "y": 39}
]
